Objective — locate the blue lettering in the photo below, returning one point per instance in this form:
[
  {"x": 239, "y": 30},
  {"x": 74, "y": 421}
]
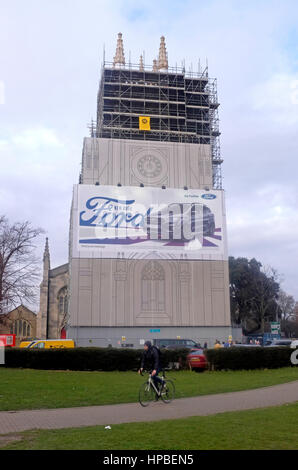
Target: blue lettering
[
  {"x": 103, "y": 213},
  {"x": 93, "y": 205}
]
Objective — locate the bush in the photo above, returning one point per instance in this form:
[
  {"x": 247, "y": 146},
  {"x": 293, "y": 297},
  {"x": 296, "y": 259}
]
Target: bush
[
  {"x": 104, "y": 359},
  {"x": 248, "y": 358},
  {"x": 171, "y": 356}
]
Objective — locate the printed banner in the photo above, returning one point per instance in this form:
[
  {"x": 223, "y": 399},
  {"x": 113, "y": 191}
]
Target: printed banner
[{"x": 148, "y": 222}]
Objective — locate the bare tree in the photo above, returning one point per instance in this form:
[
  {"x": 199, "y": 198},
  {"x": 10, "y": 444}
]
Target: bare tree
[
  {"x": 265, "y": 290},
  {"x": 288, "y": 310},
  {"x": 253, "y": 293},
  {"x": 293, "y": 322},
  {"x": 19, "y": 268}
]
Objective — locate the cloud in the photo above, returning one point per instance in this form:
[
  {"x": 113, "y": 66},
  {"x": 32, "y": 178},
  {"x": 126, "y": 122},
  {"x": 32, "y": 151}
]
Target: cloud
[
  {"x": 37, "y": 174},
  {"x": 261, "y": 225},
  {"x": 266, "y": 228},
  {"x": 279, "y": 97},
  {"x": 36, "y": 139}
]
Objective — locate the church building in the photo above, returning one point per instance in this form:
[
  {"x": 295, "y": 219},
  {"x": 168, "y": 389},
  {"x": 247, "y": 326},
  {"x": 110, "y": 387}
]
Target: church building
[{"x": 148, "y": 250}]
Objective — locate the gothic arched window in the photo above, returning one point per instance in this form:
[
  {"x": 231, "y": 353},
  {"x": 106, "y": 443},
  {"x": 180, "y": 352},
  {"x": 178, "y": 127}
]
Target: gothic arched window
[
  {"x": 153, "y": 287},
  {"x": 62, "y": 301},
  {"x": 21, "y": 328}
]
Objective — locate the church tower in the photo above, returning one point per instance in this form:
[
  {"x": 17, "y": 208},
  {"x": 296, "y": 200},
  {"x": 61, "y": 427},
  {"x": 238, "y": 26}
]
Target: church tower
[
  {"x": 153, "y": 156},
  {"x": 52, "y": 315}
]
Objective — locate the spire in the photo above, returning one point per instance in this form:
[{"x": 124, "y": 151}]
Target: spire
[
  {"x": 119, "y": 58},
  {"x": 46, "y": 253},
  {"x": 163, "y": 56},
  {"x": 155, "y": 66},
  {"x": 141, "y": 64},
  {"x": 46, "y": 259}
]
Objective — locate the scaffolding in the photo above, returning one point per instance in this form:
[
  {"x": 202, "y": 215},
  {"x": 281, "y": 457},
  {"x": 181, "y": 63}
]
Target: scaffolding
[{"x": 182, "y": 106}]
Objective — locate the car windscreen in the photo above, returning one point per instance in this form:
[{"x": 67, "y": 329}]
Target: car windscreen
[
  {"x": 166, "y": 342},
  {"x": 197, "y": 352}
]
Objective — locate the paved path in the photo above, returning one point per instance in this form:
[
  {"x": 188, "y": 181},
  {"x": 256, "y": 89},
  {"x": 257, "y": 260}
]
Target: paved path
[{"x": 132, "y": 412}]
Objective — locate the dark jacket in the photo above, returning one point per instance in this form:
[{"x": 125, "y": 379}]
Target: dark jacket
[{"x": 150, "y": 359}]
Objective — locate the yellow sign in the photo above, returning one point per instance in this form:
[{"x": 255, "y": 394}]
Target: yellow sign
[
  {"x": 144, "y": 123},
  {"x": 123, "y": 338}
]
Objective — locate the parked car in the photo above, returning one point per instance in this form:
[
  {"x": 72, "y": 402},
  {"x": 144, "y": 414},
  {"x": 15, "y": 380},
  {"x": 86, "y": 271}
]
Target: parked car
[
  {"x": 245, "y": 345},
  {"x": 279, "y": 342},
  {"x": 175, "y": 343},
  {"x": 25, "y": 344},
  {"x": 294, "y": 344},
  {"x": 197, "y": 360}
]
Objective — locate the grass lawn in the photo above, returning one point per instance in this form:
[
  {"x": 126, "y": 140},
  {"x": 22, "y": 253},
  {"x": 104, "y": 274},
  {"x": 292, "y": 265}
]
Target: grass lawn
[
  {"x": 34, "y": 389},
  {"x": 264, "y": 429}
]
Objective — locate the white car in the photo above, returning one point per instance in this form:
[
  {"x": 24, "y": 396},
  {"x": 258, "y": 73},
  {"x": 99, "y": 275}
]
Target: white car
[
  {"x": 198, "y": 218},
  {"x": 294, "y": 344}
]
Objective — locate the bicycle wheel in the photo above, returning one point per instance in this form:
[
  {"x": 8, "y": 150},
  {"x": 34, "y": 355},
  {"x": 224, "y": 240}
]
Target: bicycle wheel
[
  {"x": 146, "y": 394},
  {"x": 168, "y": 391}
]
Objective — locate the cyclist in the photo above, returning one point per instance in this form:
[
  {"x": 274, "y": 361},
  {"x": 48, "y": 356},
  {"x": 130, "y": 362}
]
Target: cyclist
[{"x": 151, "y": 359}]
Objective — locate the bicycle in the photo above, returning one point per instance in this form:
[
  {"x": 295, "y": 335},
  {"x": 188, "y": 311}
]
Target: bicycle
[{"x": 148, "y": 391}]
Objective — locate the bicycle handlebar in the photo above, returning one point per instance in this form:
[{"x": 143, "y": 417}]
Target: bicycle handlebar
[{"x": 163, "y": 373}]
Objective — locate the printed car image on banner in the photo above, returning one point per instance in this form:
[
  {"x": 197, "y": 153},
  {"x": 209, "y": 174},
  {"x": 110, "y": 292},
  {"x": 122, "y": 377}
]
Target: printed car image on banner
[{"x": 148, "y": 222}]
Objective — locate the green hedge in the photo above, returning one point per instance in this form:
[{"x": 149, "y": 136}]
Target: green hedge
[
  {"x": 105, "y": 359},
  {"x": 248, "y": 358}
]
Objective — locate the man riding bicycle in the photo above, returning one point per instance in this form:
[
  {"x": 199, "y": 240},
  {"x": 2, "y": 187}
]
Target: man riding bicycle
[{"x": 151, "y": 359}]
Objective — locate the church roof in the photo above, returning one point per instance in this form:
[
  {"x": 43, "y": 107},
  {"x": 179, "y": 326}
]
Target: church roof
[{"x": 62, "y": 269}]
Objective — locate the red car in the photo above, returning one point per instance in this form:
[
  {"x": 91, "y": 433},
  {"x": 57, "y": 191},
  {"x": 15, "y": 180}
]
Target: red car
[{"x": 197, "y": 360}]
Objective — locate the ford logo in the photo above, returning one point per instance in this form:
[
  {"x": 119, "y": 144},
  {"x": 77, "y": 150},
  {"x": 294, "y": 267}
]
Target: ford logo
[{"x": 208, "y": 196}]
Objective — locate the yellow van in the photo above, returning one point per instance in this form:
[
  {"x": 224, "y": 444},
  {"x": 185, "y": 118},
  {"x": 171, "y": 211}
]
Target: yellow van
[
  {"x": 25, "y": 344},
  {"x": 49, "y": 343}
]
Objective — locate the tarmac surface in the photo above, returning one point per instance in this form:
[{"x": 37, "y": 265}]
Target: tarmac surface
[{"x": 17, "y": 421}]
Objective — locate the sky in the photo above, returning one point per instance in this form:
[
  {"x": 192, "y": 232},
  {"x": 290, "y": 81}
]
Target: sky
[{"x": 50, "y": 61}]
